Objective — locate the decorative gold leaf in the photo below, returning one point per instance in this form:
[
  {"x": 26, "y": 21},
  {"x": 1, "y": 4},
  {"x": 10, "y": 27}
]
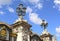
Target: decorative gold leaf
[{"x": 3, "y": 32}]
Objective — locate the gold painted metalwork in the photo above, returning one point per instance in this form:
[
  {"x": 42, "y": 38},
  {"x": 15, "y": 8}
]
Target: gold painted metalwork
[
  {"x": 13, "y": 34},
  {"x": 3, "y": 32}
]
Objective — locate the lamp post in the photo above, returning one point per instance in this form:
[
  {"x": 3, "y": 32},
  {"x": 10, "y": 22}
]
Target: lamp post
[
  {"x": 21, "y": 11},
  {"x": 44, "y": 24}
]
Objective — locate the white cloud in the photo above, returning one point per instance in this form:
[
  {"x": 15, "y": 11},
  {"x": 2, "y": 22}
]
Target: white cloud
[
  {"x": 58, "y": 30},
  {"x": 39, "y": 6},
  {"x": 5, "y": 2},
  {"x": 10, "y": 9},
  {"x": 31, "y": 1},
  {"x": 29, "y": 10},
  {"x": 57, "y": 4},
  {"x": 35, "y": 3},
  {"x": 1, "y": 12},
  {"x": 34, "y": 18},
  {"x": 57, "y": 1}
]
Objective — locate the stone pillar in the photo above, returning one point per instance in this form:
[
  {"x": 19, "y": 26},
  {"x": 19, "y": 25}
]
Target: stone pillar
[
  {"x": 20, "y": 34},
  {"x": 28, "y": 37}
]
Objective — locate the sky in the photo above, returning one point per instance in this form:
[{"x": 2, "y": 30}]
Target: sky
[{"x": 37, "y": 10}]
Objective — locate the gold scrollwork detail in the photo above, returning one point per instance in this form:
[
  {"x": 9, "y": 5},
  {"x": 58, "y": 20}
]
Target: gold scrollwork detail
[{"x": 3, "y": 32}]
